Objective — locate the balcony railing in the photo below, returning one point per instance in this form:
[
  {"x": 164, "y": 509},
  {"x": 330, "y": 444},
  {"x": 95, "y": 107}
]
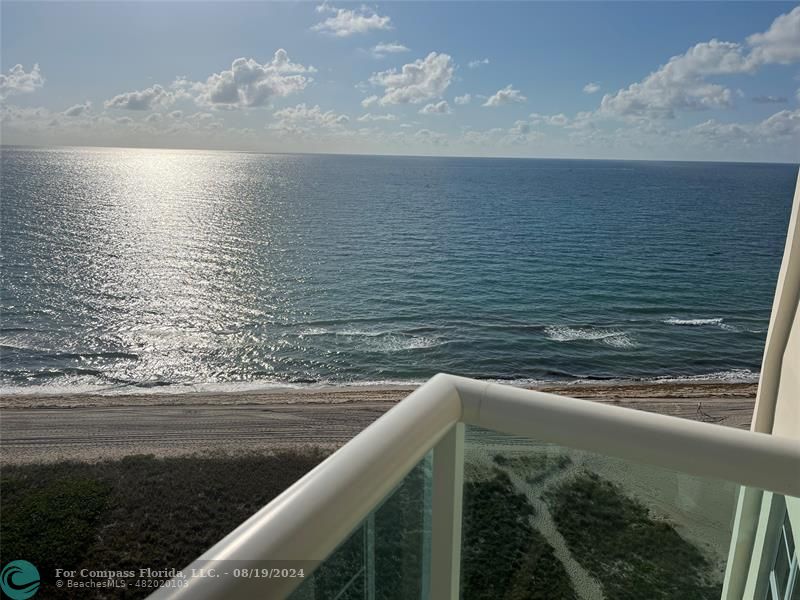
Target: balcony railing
[{"x": 386, "y": 509}]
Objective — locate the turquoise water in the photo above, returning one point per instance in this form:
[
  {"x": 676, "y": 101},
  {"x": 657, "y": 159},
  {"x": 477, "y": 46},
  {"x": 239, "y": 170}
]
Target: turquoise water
[{"x": 126, "y": 269}]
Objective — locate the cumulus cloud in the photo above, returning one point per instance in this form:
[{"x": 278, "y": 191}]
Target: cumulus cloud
[
  {"x": 783, "y": 124},
  {"x": 780, "y": 44},
  {"x": 16, "y": 115},
  {"x": 424, "y": 79},
  {"x": 781, "y": 127},
  {"x": 507, "y": 95},
  {"x": 346, "y": 22},
  {"x": 426, "y": 136},
  {"x": 19, "y": 81},
  {"x": 682, "y": 83},
  {"x": 78, "y": 109},
  {"x": 438, "y": 108},
  {"x": 141, "y": 100},
  {"x": 474, "y": 64},
  {"x": 369, "y": 101},
  {"x": 86, "y": 126},
  {"x": 249, "y": 84},
  {"x": 591, "y": 88},
  {"x": 559, "y": 120},
  {"x": 381, "y": 50},
  {"x": 465, "y": 99},
  {"x": 193, "y": 123},
  {"x": 302, "y": 118},
  {"x": 373, "y": 117}
]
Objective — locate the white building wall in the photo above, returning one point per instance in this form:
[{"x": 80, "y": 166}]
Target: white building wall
[{"x": 777, "y": 411}]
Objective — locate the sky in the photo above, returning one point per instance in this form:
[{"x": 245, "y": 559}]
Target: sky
[{"x": 630, "y": 80}]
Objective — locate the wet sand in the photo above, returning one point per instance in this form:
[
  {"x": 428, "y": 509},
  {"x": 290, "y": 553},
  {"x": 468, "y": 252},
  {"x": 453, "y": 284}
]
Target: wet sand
[{"x": 86, "y": 427}]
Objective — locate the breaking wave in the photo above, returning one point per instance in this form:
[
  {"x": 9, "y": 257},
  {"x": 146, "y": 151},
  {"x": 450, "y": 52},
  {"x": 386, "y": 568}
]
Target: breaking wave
[
  {"x": 610, "y": 337},
  {"x": 692, "y": 322}
]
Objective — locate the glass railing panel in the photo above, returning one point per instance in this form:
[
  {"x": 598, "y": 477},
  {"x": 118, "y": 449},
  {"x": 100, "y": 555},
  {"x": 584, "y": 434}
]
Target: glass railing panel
[
  {"x": 544, "y": 521},
  {"x": 387, "y": 556}
]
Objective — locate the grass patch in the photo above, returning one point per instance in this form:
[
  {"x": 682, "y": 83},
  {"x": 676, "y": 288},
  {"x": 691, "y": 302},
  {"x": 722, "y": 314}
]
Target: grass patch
[
  {"x": 632, "y": 555},
  {"x": 54, "y": 521},
  {"x": 503, "y": 557},
  {"x": 135, "y": 513},
  {"x": 535, "y": 468}
]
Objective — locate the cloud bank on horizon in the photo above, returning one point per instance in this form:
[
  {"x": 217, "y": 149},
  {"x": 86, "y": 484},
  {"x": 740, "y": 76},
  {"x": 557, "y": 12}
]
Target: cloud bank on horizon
[{"x": 733, "y": 100}]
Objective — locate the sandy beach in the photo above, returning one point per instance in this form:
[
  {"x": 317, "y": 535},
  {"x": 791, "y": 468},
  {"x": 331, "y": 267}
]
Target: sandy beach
[{"x": 96, "y": 427}]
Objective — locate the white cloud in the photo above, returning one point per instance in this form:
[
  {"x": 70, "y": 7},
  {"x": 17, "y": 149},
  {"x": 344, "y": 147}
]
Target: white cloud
[
  {"x": 591, "y": 88},
  {"x": 302, "y": 118},
  {"x": 369, "y": 101},
  {"x": 424, "y": 79},
  {"x": 465, "y": 99},
  {"x": 19, "y": 81},
  {"x": 426, "y": 136},
  {"x": 373, "y": 117},
  {"x": 199, "y": 121},
  {"x": 251, "y": 84},
  {"x": 783, "y": 126},
  {"x": 474, "y": 64},
  {"x": 17, "y": 116},
  {"x": 559, "y": 120},
  {"x": 584, "y": 120},
  {"x": 682, "y": 83},
  {"x": 78, "y": 109},
  {"x": 141, "y": 100},
  {"x": 154, "y": 118},
  {"x": 347, "y": 22},
  {"x": 507, "y": 95},
  {"x": 439, "y": 108},
  {"x": 780, "y": 43},
  {"x": 382, "y": 49}
]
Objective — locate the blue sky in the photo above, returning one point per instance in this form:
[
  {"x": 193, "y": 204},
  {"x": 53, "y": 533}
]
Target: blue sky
[{"x": 707, "y": 81}]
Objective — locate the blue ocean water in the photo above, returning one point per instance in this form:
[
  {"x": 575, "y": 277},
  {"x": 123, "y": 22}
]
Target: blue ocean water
[{"x": 127, "y": 269}]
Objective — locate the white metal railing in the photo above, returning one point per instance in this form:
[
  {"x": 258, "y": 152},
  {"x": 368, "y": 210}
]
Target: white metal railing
[{"x": 311, "y": 518}]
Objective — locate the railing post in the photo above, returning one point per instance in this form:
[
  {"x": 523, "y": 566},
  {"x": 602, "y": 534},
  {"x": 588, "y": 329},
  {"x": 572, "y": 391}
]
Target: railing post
[
  {"x": 448, "y": 481},
  {"x": 369, "y": 558}
]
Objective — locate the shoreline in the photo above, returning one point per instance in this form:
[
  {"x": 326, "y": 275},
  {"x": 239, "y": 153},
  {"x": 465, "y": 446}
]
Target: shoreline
[
  {"x": 92, "y": 428},
  {"x": 353, "y": 393}
]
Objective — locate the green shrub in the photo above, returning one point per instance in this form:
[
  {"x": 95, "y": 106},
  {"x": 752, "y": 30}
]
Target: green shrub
[
  {"x": 631, "y": 554},
  {"x": 503, "y": 557}
]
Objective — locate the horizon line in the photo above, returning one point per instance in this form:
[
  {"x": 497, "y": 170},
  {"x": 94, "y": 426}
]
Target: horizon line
[{"x": 388, "y": 155}]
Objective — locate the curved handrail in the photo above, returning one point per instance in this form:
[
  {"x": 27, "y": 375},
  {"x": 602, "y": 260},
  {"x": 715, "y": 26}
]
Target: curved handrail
[{"x": 313, "y": 516}]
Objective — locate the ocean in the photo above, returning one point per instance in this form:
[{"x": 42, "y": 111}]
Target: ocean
[{"x": 126, "y": 270}]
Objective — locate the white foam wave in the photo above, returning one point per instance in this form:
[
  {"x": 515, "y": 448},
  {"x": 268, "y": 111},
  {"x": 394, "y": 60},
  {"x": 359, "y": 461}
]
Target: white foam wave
[
  {"x": 692, "y": 322},
  {"x": 314, "y": 331},
  {"x": 611, "y": 337},
  {"x": 348, "y": 332},
  {"x": 378, "y": 340},
  {"x": 731, "y": 376},
  {"x": 396, "y": 343}
]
